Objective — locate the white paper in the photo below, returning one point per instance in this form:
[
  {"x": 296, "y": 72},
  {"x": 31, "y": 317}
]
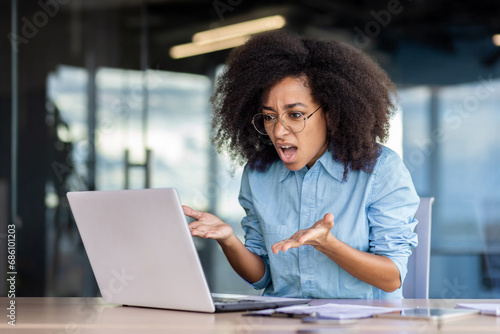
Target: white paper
[
  {"x": 489, "y": 309},
  {"x": 336, "y": 311}
]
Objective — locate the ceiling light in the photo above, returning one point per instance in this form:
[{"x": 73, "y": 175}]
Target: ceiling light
[
  {"x": 240, "y": 29},
  {"x": 226, "y": 37},
  {"x": 193, "y": 49},
  {"x": 496, "y": 39}
]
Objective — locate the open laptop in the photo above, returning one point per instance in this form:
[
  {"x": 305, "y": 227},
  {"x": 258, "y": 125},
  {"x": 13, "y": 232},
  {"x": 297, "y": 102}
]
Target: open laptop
[{"x": 142, "y": 253}]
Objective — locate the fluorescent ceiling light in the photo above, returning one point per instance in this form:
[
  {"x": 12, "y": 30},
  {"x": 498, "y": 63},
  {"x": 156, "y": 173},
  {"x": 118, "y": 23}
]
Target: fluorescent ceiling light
[
  {"x": 226, "y": 37},
  {"x": 496, "y": 39},
  {"x": 193, "y": 49},
  {"x": 240, "y": 29}
]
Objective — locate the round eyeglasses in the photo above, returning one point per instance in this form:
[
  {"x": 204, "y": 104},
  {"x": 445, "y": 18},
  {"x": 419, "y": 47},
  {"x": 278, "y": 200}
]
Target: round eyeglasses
[{"x": 293, "y": 121}]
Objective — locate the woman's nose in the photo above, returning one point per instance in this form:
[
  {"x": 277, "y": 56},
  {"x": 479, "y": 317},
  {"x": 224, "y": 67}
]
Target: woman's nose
[{"x": 279, "y": 129}]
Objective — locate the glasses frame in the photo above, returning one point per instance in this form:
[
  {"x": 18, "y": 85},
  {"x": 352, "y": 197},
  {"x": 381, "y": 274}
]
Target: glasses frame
[{"x": 282, "y": 122}]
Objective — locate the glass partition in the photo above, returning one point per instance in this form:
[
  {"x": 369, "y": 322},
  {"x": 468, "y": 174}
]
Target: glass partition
[{"x": 452, "y": 149}]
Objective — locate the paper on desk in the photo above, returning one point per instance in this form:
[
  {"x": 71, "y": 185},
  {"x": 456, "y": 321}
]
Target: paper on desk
[
  {"x": 331, "y": 311},
  {"x": 489, "y": 309}
]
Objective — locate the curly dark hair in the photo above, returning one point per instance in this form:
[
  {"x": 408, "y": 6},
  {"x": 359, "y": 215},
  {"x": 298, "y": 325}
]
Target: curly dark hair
[{"x": 356, "y": 95}]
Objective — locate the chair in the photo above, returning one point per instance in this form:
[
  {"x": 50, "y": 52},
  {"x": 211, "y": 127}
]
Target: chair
[{"x": 416, "y": 284}]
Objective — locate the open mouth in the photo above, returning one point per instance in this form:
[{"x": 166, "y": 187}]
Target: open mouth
[{"x": 287, "y": 152}]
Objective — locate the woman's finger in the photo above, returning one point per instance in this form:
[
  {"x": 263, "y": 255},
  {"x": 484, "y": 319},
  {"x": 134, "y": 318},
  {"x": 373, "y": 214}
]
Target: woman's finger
[
  {"x": 277, "y": 247},
  {"x": 328, "y": 219},
  {"x": 194, "y": 225},
  {"x": 192, "y": 213}
]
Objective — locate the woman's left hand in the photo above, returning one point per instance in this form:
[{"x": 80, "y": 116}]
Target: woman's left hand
[{"x": 314, "y": 236}]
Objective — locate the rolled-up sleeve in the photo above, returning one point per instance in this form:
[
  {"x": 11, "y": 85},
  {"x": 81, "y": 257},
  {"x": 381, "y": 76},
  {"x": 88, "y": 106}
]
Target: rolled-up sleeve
[
  {"x": 391, "y": 210},
  {"x": 254, "y": 240}
]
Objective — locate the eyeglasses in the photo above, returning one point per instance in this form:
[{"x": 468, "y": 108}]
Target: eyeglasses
[{"x": 293, "y": 121}]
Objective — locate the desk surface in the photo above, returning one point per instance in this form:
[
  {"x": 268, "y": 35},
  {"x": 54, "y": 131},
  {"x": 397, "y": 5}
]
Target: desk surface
[{"x": 91, "y": 315}]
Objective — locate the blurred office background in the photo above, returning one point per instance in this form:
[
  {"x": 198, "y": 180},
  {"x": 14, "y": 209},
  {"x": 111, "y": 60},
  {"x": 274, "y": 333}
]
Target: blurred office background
[{"x": 101, "y": 101}]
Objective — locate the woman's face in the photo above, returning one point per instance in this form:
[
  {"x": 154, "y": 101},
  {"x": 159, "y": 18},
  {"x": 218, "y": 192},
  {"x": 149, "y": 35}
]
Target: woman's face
[{"x": 300, "y": 149}]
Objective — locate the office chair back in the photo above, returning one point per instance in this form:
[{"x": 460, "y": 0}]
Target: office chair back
[{"x": 416, "y": 284}]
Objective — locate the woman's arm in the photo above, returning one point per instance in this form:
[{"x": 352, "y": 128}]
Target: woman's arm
[
  {"x": 248, "y": 265},
  {"x": 376, "y": 270}
]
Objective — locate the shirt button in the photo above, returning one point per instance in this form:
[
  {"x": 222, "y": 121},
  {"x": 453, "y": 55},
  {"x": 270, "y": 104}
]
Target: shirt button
[
  {"x": 306, "y": 213},
  {"x": 308, "y": 282},
  {"x": 304, "y": 250}
]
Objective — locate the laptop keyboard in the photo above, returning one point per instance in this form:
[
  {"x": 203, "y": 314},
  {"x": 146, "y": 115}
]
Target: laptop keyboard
[{"x": 232, "y": 300}]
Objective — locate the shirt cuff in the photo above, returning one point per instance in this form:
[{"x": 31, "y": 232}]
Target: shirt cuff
[
  {"x": 401, "y": 264},
  {"x": 265, "y": 280}
]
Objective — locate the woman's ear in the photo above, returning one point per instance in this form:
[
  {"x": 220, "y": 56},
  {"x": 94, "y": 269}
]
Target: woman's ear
[
  {"x": 328, "y": 123},
  {"x": 326, "y": 116}
]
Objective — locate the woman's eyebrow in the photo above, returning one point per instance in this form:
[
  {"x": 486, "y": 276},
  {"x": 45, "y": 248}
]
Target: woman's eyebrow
[
  {"x": 286, "y": 106},
  {"x": 293, "y": 105}
]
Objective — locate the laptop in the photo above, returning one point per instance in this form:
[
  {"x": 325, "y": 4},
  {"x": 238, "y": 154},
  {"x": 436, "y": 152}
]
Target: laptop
[{"x": 142, "y": 253}]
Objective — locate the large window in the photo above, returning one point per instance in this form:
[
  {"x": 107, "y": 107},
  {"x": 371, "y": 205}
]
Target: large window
[{"x": 452, "y": 148}]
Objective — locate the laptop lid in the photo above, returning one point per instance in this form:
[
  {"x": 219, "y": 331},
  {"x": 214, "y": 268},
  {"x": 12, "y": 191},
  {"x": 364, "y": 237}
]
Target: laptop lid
[{"x": 140, "y": 248}]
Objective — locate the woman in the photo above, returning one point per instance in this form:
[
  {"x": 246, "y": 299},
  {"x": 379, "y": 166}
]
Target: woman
[{"x": 306, "y": 117}]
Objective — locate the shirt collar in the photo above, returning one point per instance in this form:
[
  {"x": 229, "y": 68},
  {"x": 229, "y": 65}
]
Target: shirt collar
[
  {"x": 284, "y": 172},
  {"x": 332, "y": 167}
]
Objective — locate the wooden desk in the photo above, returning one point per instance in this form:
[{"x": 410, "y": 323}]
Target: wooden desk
[{"x": 91, "y": 315}]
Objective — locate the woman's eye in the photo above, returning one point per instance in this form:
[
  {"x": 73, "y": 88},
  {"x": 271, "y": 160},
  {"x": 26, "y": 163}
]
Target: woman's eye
[
  {"x": 269, "y": 118},
  {"x": 295, "y": 115}
]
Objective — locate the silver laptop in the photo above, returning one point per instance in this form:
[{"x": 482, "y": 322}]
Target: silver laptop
[{"x": 142, "y": 253}]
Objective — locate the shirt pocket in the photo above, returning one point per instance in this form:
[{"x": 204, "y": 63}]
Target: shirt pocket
[
  {"x": 274, "y": 234},
  {"x": 283, "y": 263}
]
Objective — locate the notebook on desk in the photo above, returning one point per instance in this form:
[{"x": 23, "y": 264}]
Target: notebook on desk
[{"x": 142, "y": 253}]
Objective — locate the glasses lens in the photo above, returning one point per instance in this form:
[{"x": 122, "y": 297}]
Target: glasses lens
[
  {"x": 258, "y": 123},
  {"x": 294, "y": 121}
]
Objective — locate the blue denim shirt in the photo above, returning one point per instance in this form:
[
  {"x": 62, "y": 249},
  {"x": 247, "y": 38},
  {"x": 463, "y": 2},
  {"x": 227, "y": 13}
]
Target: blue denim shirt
[{"x": 373, "y": 212}]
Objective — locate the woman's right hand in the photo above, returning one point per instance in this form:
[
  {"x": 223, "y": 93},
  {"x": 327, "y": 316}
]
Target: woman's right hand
[
  {"x": 248, "y": 265},
  {"x": 207, "y": 225}
]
